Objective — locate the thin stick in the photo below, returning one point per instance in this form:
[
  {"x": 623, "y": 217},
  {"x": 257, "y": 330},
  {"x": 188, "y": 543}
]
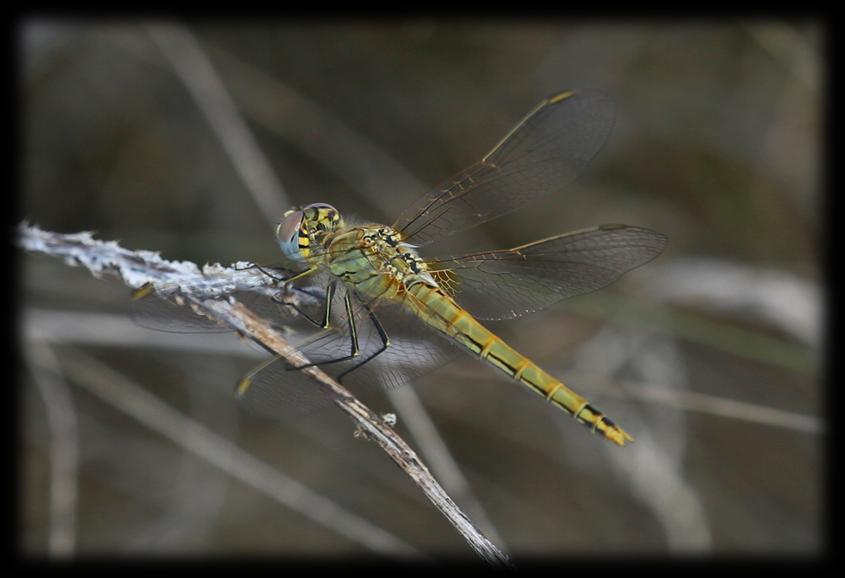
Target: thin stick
[
  {"x": 196, "y": 72},
  {"x": 64, "y": 448},
  {"x": 424, "y": 432},
  {"x": 205, "y": 290}
]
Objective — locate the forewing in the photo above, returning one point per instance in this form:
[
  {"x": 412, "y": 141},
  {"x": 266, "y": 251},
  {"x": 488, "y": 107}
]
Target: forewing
[
  {"x": 510, "y": 283},
  {"x": 540, "y": 156}
]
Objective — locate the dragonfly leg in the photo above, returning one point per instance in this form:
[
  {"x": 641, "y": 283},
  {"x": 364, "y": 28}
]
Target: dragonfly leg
[
  {"x": 385, "y": 343},
  {"x": 266, "y": 272},
  {"x": 263, "y": 269},
  {"x": 325, "y": 324},
  {"x": 353, "y": 338},
  {"x": 260, "y": 268},
  {"x": 246, "y": 381},
  {"x": 298, "y": 276}
]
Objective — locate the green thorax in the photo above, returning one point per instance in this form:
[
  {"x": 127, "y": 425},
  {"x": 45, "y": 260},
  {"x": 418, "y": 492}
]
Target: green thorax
[{"x": 374, "y": 261}]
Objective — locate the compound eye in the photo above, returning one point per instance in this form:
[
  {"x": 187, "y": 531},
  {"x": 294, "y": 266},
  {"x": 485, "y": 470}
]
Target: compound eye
[
  {"x": 329, "y": 210},
  {"x": 289, "y": 227}
]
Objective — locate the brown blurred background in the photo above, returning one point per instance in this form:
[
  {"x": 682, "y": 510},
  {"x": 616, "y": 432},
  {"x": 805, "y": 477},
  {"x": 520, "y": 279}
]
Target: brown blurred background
[{"x": 190, "y": 140}]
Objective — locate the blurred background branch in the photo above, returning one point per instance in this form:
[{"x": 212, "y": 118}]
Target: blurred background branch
[
  {"x": 131, "y": 399},
  {"x": 64, "y": 446}
]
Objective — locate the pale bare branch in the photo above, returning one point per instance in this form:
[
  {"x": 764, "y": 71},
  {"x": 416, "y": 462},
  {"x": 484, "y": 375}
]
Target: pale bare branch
[
  {"x": 205, "y": 290},
  {"x": 425, "y": 433}
]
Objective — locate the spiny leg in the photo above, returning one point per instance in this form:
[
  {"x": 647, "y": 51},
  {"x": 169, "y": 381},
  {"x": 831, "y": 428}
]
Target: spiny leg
[
  {"x": 326, "y": 323},
  {"x": 353, "y": 337},
  {"x": 385, "y": 343},
  {"x": 286, "y": 281},
  {"x": 246, "y": 380},
  {"x": 299, "y": 276},
  {"x": 265, "y": 269}
]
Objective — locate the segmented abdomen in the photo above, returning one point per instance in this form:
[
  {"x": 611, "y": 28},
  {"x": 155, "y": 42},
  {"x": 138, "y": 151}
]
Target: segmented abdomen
[{"x": 439, "y": 310}]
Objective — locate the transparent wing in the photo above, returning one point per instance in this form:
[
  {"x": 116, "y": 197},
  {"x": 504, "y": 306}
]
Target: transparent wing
[
  {"x": 277, "y": 391},
  {"x": 509, "y": 283},
  {"x": 540, "y": 156},
  {"x": 170, "y": 316},
  {"x": 174, "y": 316}
]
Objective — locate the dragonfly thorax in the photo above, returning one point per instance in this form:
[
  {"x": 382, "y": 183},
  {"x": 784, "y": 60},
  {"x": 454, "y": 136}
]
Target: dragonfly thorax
[{"x": 375, "y": 261}]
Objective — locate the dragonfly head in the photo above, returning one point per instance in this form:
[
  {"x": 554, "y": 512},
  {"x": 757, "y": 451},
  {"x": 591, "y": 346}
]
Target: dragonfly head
[{"x": 304, "y": 230}]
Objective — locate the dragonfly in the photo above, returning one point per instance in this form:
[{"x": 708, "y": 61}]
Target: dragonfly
[{"x": 385, "y": 313}]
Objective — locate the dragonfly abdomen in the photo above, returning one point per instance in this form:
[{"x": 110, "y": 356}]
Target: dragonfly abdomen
[{"x": 440, "y": 311}]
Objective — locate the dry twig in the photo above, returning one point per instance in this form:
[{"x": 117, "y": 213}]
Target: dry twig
[{"x": 206, "y": 291}]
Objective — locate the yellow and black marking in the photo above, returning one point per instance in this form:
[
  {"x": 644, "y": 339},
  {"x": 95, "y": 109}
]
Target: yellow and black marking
[
  {"x": 317, "y": 222},
  {"x": 436, "y": 308}
]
